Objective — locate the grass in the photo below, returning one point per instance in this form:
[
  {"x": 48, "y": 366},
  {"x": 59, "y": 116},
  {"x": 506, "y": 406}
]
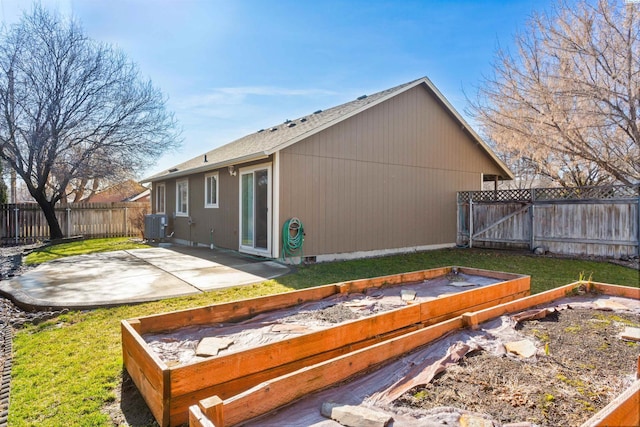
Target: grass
[
  {"x": 66, "y": 369},
  {"x": 546, "y": 273},
  {"x": 49, "y": 253}
]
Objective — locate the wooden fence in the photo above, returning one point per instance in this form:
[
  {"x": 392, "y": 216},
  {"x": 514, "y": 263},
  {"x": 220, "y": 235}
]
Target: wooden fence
[
  {"x": 593, "y": 221},
  {"x": 25, "y": 223}
]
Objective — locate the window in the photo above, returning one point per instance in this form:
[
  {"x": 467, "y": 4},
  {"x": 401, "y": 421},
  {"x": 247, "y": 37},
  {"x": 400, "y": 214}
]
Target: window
[
  {"x": 182, "y": 198},
  {"x": 211, "y": 190},
  {"x": 160, "y": 198}
]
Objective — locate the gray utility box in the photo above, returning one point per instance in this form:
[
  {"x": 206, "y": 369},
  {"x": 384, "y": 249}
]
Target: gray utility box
[{"x": 155, "y": 225}]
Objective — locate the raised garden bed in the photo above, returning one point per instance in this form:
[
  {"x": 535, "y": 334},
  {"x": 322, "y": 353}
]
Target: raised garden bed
[
  {"x": 256, "y": 406},
  {"x": 170, "y": 383}
]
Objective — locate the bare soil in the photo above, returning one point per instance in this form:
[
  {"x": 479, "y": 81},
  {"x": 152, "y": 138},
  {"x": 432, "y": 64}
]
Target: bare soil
[{"x": 586, "y": 367}]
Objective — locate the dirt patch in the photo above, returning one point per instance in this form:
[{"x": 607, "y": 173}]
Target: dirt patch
[
  {"x": 584, "y": 367},
  {"x": 335, "y": 314},
  {"x": 128, "y": 407}
]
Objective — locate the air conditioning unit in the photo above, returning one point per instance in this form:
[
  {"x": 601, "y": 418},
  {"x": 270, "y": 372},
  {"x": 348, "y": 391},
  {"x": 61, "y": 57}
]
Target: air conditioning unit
[{"x": 154, "y": 226}]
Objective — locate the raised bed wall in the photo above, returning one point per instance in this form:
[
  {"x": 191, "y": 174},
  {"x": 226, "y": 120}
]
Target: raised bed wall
[
  {"x": 169, "y": 391},
  {"x": 215, "y": 411}
]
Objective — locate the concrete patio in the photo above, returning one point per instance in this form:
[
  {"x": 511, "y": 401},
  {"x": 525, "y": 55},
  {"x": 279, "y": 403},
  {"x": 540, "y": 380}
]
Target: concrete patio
[{"x": 133, "y": 276}]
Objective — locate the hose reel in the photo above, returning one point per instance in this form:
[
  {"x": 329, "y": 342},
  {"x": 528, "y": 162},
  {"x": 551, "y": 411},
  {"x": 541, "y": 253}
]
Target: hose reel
[{"x": 292, "y": 238}]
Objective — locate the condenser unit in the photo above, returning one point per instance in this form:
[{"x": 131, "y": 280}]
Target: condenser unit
[{"x": 154, "y": 226}]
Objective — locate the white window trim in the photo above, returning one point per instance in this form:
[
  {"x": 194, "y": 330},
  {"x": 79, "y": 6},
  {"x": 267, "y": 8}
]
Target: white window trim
[
  {"x": 164, "y": 198},
  {"x": 206, "y": 190},
  {"x": 178, "y": 213}
]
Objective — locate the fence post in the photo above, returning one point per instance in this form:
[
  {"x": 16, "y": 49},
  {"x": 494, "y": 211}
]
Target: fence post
[
  {"x": 458, "y": 213},
  {"x": 532, "y": 230},
  {"x": 68, "y": 221},
  {"x": 126, "y": 221},
  {"x": 16, "y": 209}
]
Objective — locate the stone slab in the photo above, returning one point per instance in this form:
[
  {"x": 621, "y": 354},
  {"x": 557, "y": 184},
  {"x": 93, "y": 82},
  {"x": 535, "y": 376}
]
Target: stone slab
[
  {"x": 630, "y": 334},
  {"x": 468, "y": 420},
  {"x": 210, "y": 346},
  {"x": 355, "y": 416},
  {"x": 607, "y": 304},
  {"x": 524, "y": 348},
  {"x": 408, "y": 295},
  {"x": 462, "y": 284}
]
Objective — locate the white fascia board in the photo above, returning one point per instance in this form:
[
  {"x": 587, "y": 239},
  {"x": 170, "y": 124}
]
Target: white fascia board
[{"x": 206, "y": 168}]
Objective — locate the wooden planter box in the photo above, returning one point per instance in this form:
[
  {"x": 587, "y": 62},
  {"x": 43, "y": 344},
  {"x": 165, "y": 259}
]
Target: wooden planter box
[
  {"x": 169, "y": 391},
  {"x": 217, "y": 411}
]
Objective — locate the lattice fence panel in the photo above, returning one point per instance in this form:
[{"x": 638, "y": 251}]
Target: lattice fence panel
[{"x": 613, "y": 192}]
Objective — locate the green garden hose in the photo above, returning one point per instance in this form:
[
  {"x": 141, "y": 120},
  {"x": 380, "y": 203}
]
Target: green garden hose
[{"x": 292, "y": 238}]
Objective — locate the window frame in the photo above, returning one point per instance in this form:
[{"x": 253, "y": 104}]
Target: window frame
[
  {"x": 207, "y": 190},
  {"x": 179, "y": 183},
  {"x": 161, "y": 186}
]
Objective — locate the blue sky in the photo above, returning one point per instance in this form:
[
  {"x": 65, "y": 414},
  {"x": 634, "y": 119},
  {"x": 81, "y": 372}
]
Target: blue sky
[{"x": 232, "y": 67}]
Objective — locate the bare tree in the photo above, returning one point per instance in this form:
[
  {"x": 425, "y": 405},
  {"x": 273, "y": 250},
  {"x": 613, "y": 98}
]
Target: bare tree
[
  {"x": 73, "y": 109},
  {"x": 79, "y": 188},
  {"x": 570, "y": 99},
  {"x": 3, "y": 185}
]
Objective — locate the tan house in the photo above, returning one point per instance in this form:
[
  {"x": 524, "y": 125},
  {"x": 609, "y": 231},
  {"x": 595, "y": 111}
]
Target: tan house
[{"x": 374, "y": 176}]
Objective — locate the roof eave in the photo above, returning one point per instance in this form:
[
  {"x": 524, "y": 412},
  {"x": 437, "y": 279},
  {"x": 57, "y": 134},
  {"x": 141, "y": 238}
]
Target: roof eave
[{"x": 208, "y": 167}]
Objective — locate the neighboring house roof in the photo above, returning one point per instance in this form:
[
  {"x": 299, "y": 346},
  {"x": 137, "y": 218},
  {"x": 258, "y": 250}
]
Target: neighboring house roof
[
  {"x": 267, "y": 141},
  {"x": 142, "y": 197},
  {"x": 125, "y": 191}
]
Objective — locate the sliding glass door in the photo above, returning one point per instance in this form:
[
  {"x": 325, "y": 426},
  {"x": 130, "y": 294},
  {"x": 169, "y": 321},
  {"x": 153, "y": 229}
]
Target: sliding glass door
[{"x": 255, "y": 212}]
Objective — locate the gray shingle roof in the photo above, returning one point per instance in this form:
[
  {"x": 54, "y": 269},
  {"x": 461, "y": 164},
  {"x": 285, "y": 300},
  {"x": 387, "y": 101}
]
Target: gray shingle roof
[{"x": 269, "y": 140}]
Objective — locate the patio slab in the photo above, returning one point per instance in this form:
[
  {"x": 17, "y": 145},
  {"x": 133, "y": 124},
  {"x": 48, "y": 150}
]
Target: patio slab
[{"x": 134, "y": 276}]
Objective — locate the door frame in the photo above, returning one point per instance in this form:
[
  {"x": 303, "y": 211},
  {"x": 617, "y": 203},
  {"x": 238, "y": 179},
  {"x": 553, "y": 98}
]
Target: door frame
[{"x": 252, "y": 249}]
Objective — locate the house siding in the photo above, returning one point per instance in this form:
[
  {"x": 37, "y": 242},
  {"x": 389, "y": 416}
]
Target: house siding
[
  {"x": 383, "y": 179},
  {"x": 220, "y": 224}
]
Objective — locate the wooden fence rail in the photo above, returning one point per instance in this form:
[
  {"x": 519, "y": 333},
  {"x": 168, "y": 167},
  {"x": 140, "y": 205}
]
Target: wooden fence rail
[
  {"x": 24, "y": 223},
  {"x": 593, "y": 221}
]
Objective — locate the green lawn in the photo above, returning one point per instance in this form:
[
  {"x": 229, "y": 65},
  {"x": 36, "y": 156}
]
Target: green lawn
[
  {"x": 80, "y": 247},
  {"x": 66, "y": 369}
]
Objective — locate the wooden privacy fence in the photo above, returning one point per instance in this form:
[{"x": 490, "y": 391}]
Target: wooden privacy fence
[
  {"x": 594, "y": 221},
  {"x": 25, "y": 223}
]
